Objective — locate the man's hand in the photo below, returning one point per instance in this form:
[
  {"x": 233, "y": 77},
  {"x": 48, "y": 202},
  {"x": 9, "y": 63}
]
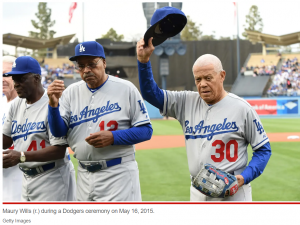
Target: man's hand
[
  {"x": 100, "y": 139},
  {"x": 144, "y": 52},
  {"x": 240, "y": 180},
  {"x": 7, "y": 141},
  {"x": 55, "y": 91},
  {"x": 10, "y": 158}
]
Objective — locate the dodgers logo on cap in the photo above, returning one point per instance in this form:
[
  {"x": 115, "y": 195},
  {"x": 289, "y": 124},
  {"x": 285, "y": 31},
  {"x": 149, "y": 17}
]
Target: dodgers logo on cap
[
  {"x": 24, "y": 65},
  {"x": 81, "y": 49},
  {"x": 166, "y": 22},
  {"x": 88, "y": 48}
]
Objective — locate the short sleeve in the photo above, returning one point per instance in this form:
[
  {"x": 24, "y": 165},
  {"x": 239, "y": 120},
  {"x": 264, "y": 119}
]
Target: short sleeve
[
  {"x": 174, "y": 102},
  {"x": 255, "y": 133},
  {"x": 138, "y": 111}
]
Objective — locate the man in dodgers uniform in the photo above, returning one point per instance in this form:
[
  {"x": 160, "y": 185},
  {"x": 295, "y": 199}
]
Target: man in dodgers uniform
[
  {"x": 218, "y": 126},
  {"x": 103, "y": 117},
  {"x": 48, "y": 172},
  {"x": 12, "y": 177}
]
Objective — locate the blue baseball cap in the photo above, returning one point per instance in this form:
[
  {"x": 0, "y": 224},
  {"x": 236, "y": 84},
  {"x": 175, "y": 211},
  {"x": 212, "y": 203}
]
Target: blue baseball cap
[
  {"x": 166, "y": 22},
  {"x": 88, "y": 48},
  {"x": 23, "y": 65}
]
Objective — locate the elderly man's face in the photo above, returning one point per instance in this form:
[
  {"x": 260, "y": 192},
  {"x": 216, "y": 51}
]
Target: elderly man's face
[
  {"x": 25, "y": 85},
  {"x": 92, "y": 70},
  {"x": 7, "y": 82},
  {"x": 209, "y": 83}
]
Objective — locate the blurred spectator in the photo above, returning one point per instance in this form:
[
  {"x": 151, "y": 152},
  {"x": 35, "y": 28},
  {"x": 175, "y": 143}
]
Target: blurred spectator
[
  {"x": 289, "y": 84},
  {"x": 287, "y": 80},
  {"x": 243, "y": 71},
  {"x": 49, "y": 73},
  {"x": 46, "y": 85},
  {"x": 43, "y": 74}
]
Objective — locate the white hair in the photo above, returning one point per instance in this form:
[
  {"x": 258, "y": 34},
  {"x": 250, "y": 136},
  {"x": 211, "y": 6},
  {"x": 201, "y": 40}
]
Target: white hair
[
  {"x": 208, "y": 59},
  {"x": 8, "y": 59}
]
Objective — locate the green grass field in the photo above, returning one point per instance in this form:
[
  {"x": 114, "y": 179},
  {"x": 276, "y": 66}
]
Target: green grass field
[{"x": 164, "y": 174}]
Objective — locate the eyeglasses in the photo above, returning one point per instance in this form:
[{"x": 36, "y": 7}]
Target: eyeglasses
[{"x": 91, "y": 66}]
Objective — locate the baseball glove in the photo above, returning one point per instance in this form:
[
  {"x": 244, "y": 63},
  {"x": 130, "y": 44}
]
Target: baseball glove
[{"x": 214, "y": 182}]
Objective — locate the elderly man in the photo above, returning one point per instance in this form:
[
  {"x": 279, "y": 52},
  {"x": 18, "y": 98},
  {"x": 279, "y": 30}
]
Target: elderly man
[
  {"x": 49, "y": 174},
  {"x": 12, "y": 177},
  {"x": 103, "y": 117},
  {"x": 218, "y": 126}
]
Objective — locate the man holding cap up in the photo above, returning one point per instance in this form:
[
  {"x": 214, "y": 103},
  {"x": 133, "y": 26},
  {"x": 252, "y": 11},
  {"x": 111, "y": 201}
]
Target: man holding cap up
[
  {"x": 165, "y": 23},
  {"x": 48, "y": 172},
  {"x": 215, "y": 133},
  {"x": 103, "y": 117}
]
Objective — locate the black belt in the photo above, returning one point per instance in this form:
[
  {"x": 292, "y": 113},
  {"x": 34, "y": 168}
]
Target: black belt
[
  {"x": 38, "y": 170},
  {"x": 95, "y": 166}
]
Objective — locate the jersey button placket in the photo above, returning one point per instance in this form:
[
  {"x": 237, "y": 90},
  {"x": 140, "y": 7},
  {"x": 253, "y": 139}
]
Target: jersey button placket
[
  {"x": 207, "y": 114},
  {"x": 25, "y": 112},
  {"x": 24, "y": 116},
  {"x": 90, "y": 123}
]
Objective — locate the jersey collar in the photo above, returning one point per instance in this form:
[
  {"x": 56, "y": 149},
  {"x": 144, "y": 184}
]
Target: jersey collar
[{"x": 93, "y": 90}]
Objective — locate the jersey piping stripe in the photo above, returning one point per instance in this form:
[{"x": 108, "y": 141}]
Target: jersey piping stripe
[
  {"x": 93, "y": 90},
  {"x": 89, "y": 119},
  {"x": 167, "y": 103},
  {"x": 209, "y": 136},
  {"x": 25, "y": 135},
  {"x": 260, "y": 142},
  {"x": 141, "y": 122}
]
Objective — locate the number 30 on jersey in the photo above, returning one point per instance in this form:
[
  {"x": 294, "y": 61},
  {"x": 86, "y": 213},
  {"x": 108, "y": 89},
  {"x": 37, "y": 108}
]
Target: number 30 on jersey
[{"x": 222, "y": 148}]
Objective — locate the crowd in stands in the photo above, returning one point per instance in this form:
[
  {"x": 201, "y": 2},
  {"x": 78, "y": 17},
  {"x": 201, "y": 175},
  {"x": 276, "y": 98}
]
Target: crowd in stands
[
  {"x": 259, "y": 70},
  {"x": 49, "y": 73},
  {"x": 286, "y": 81}
]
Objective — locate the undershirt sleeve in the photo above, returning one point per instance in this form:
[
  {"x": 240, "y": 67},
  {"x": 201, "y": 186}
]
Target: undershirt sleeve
[
  {"x": 149, "y": 89},
  {"x": 57, "y": 125},
  {"x": 133, "y": 135},
  {"x": 258, "y": 163}
]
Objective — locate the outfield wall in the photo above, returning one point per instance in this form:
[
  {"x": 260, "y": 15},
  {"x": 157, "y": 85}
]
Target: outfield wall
[
  {"x": 276, "y": 107},
  {"x": 152, "y": 111},
  {"x": 265, "y": 107}
]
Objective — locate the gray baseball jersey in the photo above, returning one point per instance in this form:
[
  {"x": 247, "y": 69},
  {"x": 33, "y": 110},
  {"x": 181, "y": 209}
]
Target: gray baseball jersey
[
  {"x": 28, "y": 126},
  {"x": 12, "y": 177},
  {"x": 116, "y": 105},
  {"x": 217, "y": 134}
]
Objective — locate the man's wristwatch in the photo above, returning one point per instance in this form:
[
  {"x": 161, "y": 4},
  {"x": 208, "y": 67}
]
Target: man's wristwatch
[{"x": 22, "y": 157}]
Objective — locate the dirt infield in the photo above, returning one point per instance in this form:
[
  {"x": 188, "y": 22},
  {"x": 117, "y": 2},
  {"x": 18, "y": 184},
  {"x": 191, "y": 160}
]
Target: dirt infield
[{"x": 174, "y": 141}]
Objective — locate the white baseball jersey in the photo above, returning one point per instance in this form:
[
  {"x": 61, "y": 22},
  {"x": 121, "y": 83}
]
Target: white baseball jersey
[
  {"x": 217, "y": 134},
  {"x": 12, "y": 177},
  {"x": 117, "y": 105},
  {"x": 28, "y": 126}
]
